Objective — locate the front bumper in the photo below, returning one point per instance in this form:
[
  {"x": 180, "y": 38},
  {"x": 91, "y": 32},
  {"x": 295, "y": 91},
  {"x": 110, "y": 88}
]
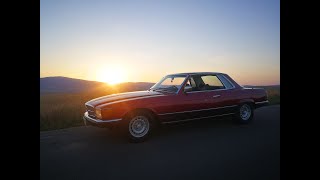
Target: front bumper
[
  {"x": 99, "y": 123},
  {"x": 261, "y": 104}
]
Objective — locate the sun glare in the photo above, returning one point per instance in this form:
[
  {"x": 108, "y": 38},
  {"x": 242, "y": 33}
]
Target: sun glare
[{"x": 111, "y": 75}]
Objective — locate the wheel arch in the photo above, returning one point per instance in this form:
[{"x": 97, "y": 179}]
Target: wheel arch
[
  {"x": 248, "y": 101},
  {"x": 136, "y": 110}
]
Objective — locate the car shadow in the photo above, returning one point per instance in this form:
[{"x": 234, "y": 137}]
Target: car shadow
[{"x": 181, "y": 128}]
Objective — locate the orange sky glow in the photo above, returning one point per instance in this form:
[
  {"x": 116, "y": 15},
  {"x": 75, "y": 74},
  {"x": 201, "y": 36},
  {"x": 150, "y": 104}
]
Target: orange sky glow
[{"x": 135, "y": 41}]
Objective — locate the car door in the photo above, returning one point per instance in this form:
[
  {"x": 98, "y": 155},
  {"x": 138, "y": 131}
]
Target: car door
[
  {"x": 187, "y": 105},
  {"x": 219, "y": 97}
]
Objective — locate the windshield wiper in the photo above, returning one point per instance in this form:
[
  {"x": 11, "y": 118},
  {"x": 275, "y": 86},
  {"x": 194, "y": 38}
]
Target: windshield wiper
[{"x": 164, "y": 89}]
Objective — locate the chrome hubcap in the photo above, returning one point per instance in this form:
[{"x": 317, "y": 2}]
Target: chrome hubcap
[
  {"x": 139, "y": 126},
  {"x": 245, "y": 112}
]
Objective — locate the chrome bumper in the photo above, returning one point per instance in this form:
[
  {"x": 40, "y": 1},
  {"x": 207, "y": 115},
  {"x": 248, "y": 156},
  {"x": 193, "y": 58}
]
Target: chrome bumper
[
  {"x": 261, "y": 103},
  {"x": 86, "y": 119}
]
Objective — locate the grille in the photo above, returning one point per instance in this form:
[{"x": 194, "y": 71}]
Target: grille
[{"x": 90, "y": 111}]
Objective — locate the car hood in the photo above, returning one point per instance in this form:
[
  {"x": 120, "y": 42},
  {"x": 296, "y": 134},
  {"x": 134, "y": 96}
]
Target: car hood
[{"x": 122, "y": 96}]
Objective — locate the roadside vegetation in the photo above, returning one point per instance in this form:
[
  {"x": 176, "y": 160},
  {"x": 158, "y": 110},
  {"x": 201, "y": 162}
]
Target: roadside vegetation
[{"x": 274, "y": 96}]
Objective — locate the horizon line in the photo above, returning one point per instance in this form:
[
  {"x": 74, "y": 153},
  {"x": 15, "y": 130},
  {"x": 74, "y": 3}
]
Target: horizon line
[{"x": 140, "y": 81}]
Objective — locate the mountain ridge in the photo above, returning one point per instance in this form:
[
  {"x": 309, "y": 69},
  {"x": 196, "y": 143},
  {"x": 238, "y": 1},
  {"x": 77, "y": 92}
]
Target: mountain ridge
[{"x": 61, "y": 84}]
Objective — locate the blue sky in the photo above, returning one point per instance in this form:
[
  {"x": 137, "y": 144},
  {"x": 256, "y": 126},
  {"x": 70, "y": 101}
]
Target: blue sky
[{"x": 146, "y": 39}]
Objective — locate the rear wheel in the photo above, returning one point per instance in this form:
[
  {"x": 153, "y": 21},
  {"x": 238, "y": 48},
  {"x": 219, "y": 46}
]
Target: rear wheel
[{"x": 244, "y": 115}]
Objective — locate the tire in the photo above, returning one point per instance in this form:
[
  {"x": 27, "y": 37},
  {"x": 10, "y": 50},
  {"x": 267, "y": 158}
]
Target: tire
[
  {"x": 245, "y": 113},
  {"x": 139, "y": 125}
]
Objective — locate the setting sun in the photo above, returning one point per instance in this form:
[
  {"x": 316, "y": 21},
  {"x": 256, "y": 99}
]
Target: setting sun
[{"x": 111, "y": 75}]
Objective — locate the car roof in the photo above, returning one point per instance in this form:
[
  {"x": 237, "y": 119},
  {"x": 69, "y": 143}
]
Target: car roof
[{"x": 197, "y": 73}]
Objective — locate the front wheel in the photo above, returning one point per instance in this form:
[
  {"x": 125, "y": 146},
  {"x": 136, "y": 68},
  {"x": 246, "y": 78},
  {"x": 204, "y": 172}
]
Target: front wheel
[
  {"x": 244, "y": 115},
  {"x": 139, "y": 126}
]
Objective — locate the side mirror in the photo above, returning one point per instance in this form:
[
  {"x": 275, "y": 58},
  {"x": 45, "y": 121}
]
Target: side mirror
[{"x": 187, "y": 88}]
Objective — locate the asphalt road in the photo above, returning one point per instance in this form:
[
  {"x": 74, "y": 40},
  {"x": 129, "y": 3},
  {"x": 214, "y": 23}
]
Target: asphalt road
[{"x": 207, "y": 149}]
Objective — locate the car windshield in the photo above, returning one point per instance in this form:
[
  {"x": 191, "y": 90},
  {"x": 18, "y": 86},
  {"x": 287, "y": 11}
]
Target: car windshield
[{"x": 170, "y": 83}]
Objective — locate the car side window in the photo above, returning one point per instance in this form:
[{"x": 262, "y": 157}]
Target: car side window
[
  {"x": 204, "y": 82},
  {"x": 226, "y": 82},
  {"x": 211, "y": 82},
  {"x": 191, "y": 82}
]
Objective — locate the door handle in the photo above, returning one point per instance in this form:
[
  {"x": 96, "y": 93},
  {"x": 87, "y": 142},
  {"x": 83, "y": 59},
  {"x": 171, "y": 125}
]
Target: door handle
[{"x": 216, "y": 96}]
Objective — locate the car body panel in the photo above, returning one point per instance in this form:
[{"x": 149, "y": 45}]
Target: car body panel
[
  {"x": 121, "y": 96},
  {"x": 179, "y": 106}
]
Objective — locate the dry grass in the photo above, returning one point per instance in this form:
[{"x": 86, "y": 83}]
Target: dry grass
[
  {"x": 273, "y": 95},
  {"x": 62, "y": 110}
]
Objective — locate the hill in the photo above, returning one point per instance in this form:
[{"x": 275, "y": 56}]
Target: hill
[{"x": 71, "y": 85}]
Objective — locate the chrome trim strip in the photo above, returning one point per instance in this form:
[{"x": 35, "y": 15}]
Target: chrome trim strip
[
  {"x": 208, "y": 90},
  {"x": 196, "y": 118},
  {"x": 196, "y": 110},
  {"x": 97, "y": 121},
  {"x": 262, "y": 102},
  {"x": 88, "y": 105}
]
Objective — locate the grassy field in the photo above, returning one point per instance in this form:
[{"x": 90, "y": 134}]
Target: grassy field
[
  {"x": 273, "y": 96},
  {"x": 62, "y": 110},
  {"x": 59, "y": 111}
]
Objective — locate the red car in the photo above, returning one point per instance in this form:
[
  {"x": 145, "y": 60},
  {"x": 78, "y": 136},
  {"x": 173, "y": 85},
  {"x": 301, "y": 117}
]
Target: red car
[{"x": 175, "y": 98}]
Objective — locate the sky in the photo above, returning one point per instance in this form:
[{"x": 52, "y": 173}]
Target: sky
[{"x": 143, "y": 40}]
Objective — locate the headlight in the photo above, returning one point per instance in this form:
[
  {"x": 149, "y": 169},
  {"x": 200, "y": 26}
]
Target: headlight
[{"x": 98, "y": 113}]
